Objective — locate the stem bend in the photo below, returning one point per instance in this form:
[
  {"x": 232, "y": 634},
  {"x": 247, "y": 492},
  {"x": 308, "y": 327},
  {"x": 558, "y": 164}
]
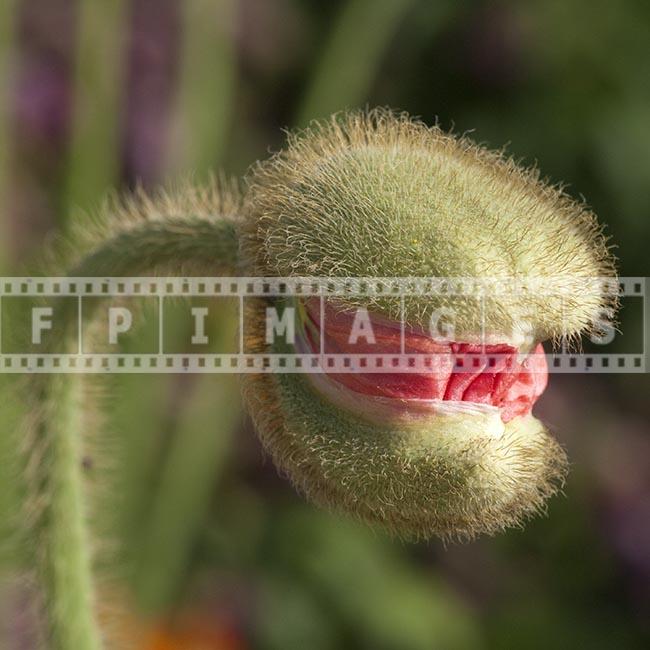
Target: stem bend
[{"x": 54, "y": 467}]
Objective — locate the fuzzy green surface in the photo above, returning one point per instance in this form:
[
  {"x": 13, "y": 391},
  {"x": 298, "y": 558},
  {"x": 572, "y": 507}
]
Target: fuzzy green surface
[
  {"x": 382, "y": 195},
  {"x": 192, "y": 230},
  {"x": 446, "y": 478}
]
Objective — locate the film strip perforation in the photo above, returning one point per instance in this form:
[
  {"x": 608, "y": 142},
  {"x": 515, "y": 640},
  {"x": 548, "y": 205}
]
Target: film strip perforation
[
  {"x": 301, "y": 286},
  {"x": 179, "y": 363}
]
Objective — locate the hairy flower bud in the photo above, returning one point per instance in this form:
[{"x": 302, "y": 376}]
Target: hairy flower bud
[{"x": 378, "y": 194}]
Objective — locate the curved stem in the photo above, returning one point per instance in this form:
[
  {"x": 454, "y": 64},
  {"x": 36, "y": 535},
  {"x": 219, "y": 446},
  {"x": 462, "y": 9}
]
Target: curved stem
[{"x": 56, "y": 474}]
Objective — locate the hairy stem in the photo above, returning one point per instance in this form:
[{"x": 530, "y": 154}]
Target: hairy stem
[
  {"x": 64, "y": 548},
  {"x": 55, "y": 467}
]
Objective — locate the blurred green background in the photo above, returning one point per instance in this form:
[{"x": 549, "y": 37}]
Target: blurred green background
[{"x": 206, "y": 544}]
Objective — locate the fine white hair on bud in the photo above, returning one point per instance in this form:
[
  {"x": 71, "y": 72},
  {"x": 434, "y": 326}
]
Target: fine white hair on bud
[{"x": 378, "y": 194}]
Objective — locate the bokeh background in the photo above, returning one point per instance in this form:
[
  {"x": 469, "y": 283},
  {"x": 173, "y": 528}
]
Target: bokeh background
[{"x": 210, "y": 548}]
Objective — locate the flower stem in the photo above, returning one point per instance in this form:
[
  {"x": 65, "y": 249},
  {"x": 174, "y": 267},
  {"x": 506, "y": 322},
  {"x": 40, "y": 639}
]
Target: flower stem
[
  {"x": 55, "y": 464},
  {"x": 65, "y": 549}
]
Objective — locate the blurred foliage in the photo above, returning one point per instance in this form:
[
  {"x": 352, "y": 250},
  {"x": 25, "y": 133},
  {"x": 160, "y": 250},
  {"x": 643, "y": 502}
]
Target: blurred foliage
[{"x": 96, "y": 95}]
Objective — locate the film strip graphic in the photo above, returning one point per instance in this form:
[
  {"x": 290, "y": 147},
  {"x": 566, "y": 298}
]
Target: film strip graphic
[{"x": 36, "y": 312}]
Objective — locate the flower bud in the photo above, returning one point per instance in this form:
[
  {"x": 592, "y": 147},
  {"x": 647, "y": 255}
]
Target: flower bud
[{"x": 380, "y": 195}]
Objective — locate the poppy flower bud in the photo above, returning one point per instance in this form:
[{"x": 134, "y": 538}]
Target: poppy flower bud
[{"x": 381, "y": 195}]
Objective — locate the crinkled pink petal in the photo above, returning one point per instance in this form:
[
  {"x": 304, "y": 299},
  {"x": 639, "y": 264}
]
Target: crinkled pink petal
[{"x": 511, "y": 382}]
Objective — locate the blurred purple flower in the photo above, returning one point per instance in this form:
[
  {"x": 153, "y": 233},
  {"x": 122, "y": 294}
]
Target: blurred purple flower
[
  {"x": 495, "y": 38},
  {"x": 42, "y": 99},
  {"x": 153, "y": 58}
]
